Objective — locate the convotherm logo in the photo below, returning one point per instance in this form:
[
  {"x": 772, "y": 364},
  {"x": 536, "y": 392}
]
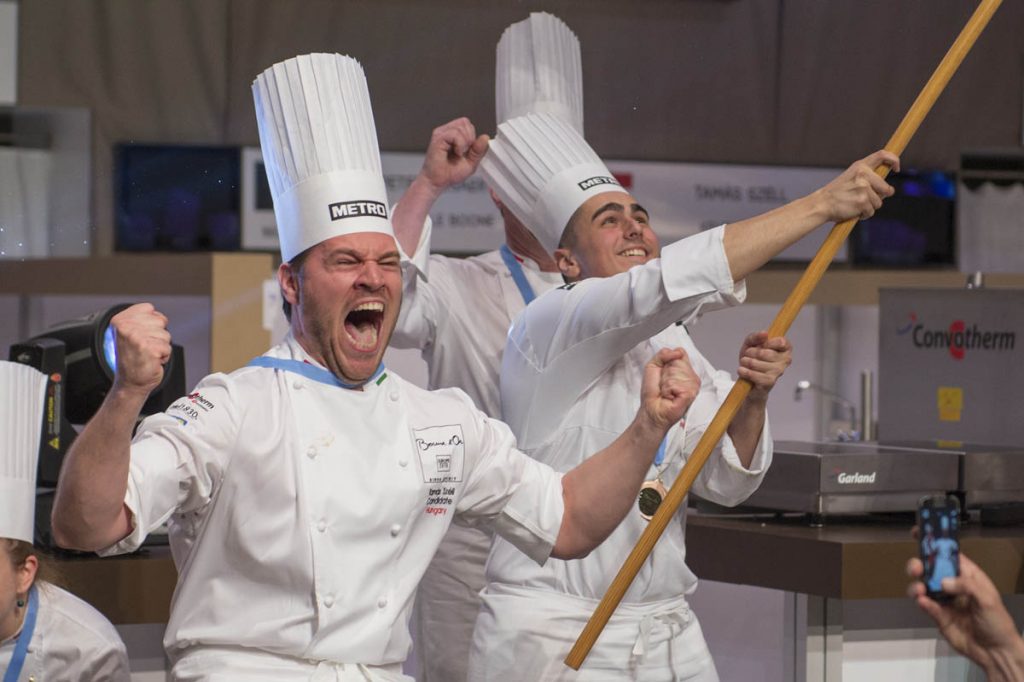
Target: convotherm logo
[
  {"x": 355, "y": 209},
  {"x": 958, "y": 338}
]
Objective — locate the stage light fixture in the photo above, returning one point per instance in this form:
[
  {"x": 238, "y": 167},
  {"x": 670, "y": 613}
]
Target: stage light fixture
[{"x": 79, "y": 357}]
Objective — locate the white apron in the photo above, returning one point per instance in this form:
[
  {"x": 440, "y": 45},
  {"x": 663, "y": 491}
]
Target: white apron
[{"x": 525, "y": 634}]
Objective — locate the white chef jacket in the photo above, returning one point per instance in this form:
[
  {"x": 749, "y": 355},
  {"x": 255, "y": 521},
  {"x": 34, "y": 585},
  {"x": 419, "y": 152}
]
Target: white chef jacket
[
  {"x": 302, "y": 515},
  {"x": 571, "y": 378},
  {"x": 72, "y": 642},
  {"x": 457, "y": 311}
]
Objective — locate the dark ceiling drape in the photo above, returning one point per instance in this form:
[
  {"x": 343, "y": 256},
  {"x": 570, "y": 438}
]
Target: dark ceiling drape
[{"x": 750, "y": 81}]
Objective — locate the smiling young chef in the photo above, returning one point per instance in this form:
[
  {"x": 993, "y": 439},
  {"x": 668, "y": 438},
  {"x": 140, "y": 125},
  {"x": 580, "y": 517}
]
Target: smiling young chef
[
  {"x": 307, "y": 492},
  {"x": 568, "y": 381}
]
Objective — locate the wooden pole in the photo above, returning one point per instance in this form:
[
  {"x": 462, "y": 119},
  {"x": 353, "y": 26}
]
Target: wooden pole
[{"x": 796, "y": 300}]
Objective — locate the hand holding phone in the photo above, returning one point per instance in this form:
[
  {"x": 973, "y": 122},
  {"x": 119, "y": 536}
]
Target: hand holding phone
[{"x": 938, "y": 528}]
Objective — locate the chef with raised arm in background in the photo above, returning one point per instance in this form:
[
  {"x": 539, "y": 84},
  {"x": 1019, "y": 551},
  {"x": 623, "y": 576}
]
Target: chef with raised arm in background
[{"x": 457, "y": 311}]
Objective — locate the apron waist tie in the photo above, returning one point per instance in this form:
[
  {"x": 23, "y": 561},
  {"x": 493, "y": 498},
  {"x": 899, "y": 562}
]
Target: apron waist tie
[{"x": 681, "y": 617}]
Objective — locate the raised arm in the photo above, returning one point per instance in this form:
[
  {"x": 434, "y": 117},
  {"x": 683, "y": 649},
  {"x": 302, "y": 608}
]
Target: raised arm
[
  {"x": 856, "y": 193},
  {"x": 453, "y": 154},
  {"x": 600, "y": 492},
  {"x": 89, "y": 511}
]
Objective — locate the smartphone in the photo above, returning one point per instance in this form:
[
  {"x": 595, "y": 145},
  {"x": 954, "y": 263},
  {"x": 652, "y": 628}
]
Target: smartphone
[{"x": 938, "y": 527}]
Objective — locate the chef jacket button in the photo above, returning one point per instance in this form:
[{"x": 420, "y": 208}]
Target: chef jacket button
[
  {"x": 297, "y": 384},
  {"x": 311, "y": 452},
  {"x": 329, "y": 601},
  {"x": 396, "y": 529},
  {"x": 393, "y": 395},
  {"x": 403, "y": 463},
  {"x": 321, "y": 525},
  {"x": 382, "y": 602}
]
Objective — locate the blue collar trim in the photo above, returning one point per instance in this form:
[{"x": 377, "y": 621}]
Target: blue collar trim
[{"x": 311, "y": 372}]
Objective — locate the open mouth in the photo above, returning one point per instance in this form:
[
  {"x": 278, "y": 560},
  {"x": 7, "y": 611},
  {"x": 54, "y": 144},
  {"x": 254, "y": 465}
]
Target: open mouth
[
  {"x": 633, "y": 253},
  {"x": 363, "y": 325}
]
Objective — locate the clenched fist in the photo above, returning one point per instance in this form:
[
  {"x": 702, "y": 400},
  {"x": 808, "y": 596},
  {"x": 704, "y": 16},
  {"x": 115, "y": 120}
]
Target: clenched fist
[
  {"x": 858, "y": 191},
  {"x": 143, "y": 347},
  {"x": 453, "y": 154},
  {"x": 669, "y": 387}
]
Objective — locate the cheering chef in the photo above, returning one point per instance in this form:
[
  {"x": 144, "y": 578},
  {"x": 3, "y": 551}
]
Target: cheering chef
[
  {"x": 457, "y": 311},
  {"x": 569, "y": 374},
  {"x": 46, "y": 633},
  {"x": 306, "y": 493}
]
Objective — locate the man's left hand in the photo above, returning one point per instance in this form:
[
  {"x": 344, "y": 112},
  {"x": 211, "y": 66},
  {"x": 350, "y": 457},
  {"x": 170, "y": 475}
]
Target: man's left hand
[
  {"x": 762, "y": 361},
  {"x": 670, "y": 386}
]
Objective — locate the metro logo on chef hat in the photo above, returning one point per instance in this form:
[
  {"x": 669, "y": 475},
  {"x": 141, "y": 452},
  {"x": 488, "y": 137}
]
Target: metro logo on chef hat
[
  {"x": 22, "y": 395},
  {"x": 538, "y": 70},
  {"x": 320, "y": 149},
  {"x": 543, "y": 170}
]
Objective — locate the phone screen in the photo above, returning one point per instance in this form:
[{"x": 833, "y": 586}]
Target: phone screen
[{"x": 938, "y": 525}]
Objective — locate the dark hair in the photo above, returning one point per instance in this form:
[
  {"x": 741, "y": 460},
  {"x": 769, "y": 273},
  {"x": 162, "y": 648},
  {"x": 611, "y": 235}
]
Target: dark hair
[
  {"x": 568, "y": 238},
  {"x": 296, "y": 264},
  {"x": 19, "y": 550}
]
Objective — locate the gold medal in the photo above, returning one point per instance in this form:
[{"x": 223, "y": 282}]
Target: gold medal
[{"x": 651, "y": 495}]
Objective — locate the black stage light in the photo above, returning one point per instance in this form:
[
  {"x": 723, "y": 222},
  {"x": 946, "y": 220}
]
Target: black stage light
[{"x": 79, "y": 359}]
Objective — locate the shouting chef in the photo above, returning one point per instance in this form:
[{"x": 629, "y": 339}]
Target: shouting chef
[{"x": 307, "y": 492}]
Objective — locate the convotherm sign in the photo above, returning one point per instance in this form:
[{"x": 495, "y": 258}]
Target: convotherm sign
[{"x": 951, "y": 365}]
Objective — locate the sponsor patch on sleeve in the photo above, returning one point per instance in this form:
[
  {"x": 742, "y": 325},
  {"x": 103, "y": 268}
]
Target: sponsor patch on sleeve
[{"x": 190, "y": 408}]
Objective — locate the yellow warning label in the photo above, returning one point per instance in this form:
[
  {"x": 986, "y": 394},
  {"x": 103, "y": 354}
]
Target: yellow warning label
[
  {"x": 950, "y": 402},
  {"x": 55, "y": 443}
]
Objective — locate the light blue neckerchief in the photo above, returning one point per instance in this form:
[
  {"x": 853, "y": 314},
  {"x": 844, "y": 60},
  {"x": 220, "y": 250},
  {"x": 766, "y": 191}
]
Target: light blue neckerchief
[
  {"x": 310, "y": 371},
  {"x": 21, "y": 647},
  {"x": 518, "y": 276}
]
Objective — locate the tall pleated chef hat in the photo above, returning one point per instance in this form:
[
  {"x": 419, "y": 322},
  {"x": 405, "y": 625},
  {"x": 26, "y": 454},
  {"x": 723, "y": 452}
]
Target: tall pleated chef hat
[
  {"x": 320, "y": 149},
  {"x": 22, "y": 396},
  {"x": 538, "y": 70},
  {"x": 543, "y": 170}
]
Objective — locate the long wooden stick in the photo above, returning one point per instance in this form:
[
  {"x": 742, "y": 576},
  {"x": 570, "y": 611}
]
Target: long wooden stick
[{"x": 897, "y": 143}]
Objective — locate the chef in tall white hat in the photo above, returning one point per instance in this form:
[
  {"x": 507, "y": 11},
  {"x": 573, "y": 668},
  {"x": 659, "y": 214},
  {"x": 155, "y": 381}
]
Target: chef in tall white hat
[
  {"x": 457, "y": 311},
  {"x": 626, "y": 298},
  {"x": 307, "y": 492},
  {"x": 46, "y": 633}
]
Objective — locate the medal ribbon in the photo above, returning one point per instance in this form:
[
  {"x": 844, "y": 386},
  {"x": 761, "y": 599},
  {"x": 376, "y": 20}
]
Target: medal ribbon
[
  {"x": 515, "y": 268},
  {"x": 309, "y": 371},
  {"x": 21, "y": 647},
  {"x": 660, "y": 456}
]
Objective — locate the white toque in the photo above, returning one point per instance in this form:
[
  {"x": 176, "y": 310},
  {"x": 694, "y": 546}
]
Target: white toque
[
  {"x": 320, "y": 150},
  {"x": 22, "y": 396},
  {"x": 543, "y": 170},
  {"x": 538, "y": 70}
]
